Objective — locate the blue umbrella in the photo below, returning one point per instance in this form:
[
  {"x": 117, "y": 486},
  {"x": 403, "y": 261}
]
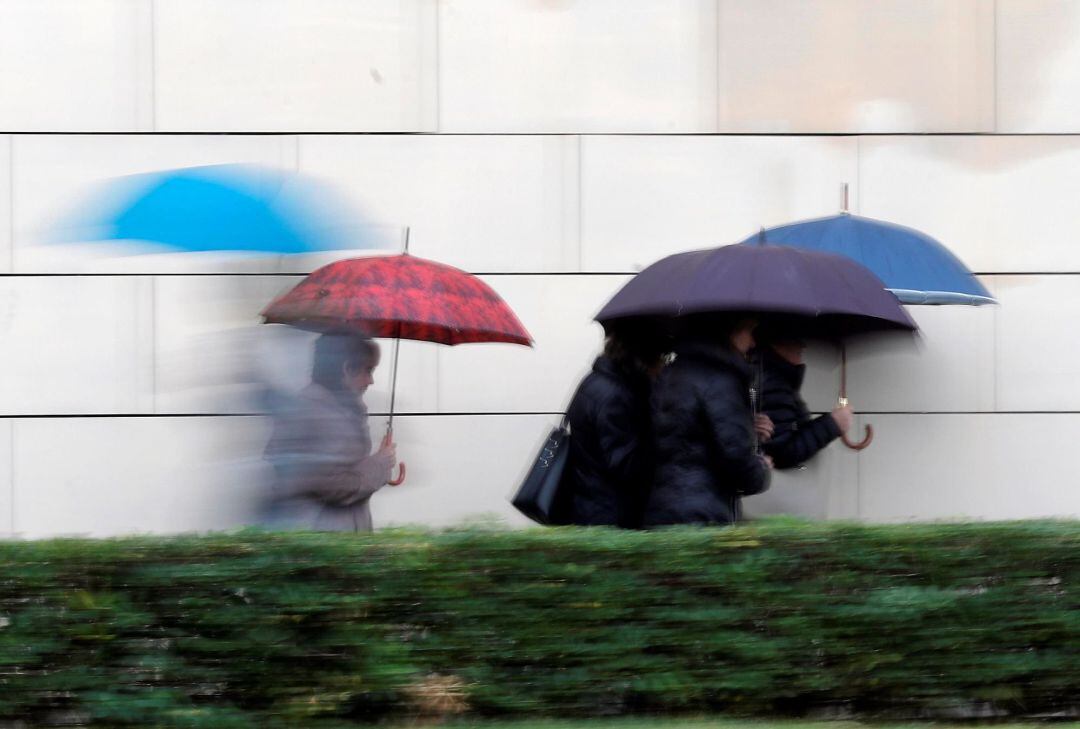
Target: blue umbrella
[
  {"x": 217, "y": 208},
  {"x": 914, "y": 266}
]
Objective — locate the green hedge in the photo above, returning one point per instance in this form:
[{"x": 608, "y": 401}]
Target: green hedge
[{"x": 773, "y": 619}]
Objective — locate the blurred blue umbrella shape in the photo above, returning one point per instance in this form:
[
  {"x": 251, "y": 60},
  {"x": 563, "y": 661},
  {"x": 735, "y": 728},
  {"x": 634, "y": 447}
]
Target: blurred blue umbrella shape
[
  {"x": 243, "y": 208},
  {"x": 914, "y": 266}
]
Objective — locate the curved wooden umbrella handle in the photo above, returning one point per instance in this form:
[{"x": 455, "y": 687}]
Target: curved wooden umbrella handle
[
  {"x": 863, "y": 443},
  {"x": 400, "y": 476}
]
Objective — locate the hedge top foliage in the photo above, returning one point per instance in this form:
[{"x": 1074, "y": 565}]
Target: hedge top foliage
[{"x": 775, "y": 617}]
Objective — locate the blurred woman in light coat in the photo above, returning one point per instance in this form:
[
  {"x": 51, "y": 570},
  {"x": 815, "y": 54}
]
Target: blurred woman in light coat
[{"x": 325, "y": 472}]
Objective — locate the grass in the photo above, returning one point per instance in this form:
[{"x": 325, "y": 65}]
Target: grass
[{"x": 706, "y": 723}]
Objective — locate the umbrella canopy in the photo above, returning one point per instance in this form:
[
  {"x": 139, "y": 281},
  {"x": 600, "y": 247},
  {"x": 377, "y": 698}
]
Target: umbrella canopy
[
  {"x": 914, "y": 266},
  {"x": 838, "y": 296},
  {"x": 399, "y": 296},
  {"x": 216, "y": 208},
  {"x": 403, "y": 297}
]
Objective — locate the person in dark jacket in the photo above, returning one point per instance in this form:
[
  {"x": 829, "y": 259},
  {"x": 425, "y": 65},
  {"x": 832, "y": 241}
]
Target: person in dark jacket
[
  {"x": 611, "y": 460},
  {"x": 796, "y": 436},
  {"x": 703, "y": 422}
]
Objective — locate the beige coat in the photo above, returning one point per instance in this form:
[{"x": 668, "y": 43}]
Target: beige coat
[{"x": 324, "y": 470}]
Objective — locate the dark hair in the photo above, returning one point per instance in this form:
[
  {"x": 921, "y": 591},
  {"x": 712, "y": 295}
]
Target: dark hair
[
  {"x": 781, "y": 329},
  {"x": 334, "y": 353},
  {"x": 714, "y": 328},
  {"x": 639, "y": 347}
]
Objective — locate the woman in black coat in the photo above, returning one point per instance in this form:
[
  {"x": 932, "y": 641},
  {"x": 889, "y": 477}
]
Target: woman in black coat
[
  {"x": 611, "y": 461},
  {"x": 706, "y": 449},
  {"x": 797, "y": 436}
]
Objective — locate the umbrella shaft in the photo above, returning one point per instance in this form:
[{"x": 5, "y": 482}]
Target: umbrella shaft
[
  {"x": 843, "y": 376},
  {"x": 393, "y": 385},
  {"x": 842, "y": 400},
  {"x": 397, "y": 349}
]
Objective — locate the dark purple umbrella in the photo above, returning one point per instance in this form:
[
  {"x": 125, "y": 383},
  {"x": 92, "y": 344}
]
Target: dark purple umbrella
[
  {"x": 838, "y": 296},
  {"x": 832, "y": 296}
]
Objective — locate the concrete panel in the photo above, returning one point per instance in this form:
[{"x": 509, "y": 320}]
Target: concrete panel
[
  {"x": 603, "y": 66},
  {"x": 851, "y": 66},
  {"x": 949, "y": 368},
  {"x": 135, "y": 475},
  {"x": 6, "y": 250},
  {"x": 647, "y": 197},
  {"x": 487, "y": 204},
  {"x": 501, "y": 378},
  {"x": 214, "y": 356},
  {"x": 1038, "y": 66},
  {"x": 53, "y": 175},
  {"x": 821, "y": 383},
  {"x": 295, "y": 65},
  {"x": 76, "y": 65},
  {"x": 1002, "y": 204},
  {"x": 7, "y": 483},
  {"x": 460, "y": 468},
  {"x": 990, "y": 466},
  {"x": 168, "y": 475},
  {"x": 209, "y": 347},
  {"x": 1037, "y": 350},
  {"x": 129, "y": 475},
  {"x": 826, "y": 487},
  {"x": 74, "y": 345}
]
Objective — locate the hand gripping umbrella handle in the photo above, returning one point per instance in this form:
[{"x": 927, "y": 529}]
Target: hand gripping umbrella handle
[
  {"x": 863, "y": 443},
  {"x": 400, "y": 476}
]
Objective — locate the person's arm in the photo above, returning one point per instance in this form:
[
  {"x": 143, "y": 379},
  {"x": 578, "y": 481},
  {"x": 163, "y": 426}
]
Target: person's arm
[
  {"x": 313, "y": 461},
  {"x": 796, "y": 443},
  {"x": 345, "y": 486},
  {"x": 731, "y": 427}
]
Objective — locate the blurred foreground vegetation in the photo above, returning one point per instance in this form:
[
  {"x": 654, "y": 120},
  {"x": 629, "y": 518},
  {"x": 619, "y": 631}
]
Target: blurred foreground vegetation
[
  {"x": 774, "y": 619},
  {"x": 707, "y": 723}
]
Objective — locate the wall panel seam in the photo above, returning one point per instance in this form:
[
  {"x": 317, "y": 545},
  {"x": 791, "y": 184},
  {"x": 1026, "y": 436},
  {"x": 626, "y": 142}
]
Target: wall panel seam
[
  {"x": 580, "y": 205},
  {"x": 153, "y": 64},
  {"x": 858, "y": 175},
  {"x": 385, "y": 133},
  {"x": 511, "y": 413},
  {"x": 11, "y": 202},
  {"x": 493, "y": 274},
  {"x": 153, "y": 345},
  {"x": 11, "y": 475},
  {"x": 438, "y": 67},
  {"x": 996, "y": 72}
]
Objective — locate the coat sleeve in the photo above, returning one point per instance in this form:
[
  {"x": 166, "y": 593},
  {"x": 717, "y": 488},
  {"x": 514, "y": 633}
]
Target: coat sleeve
[
  {"x": 801, "y": 442},
  {"x": 731, "y": 427},
  {"x": 355, "y": 482},
  {"x": 309, "y": 461}
]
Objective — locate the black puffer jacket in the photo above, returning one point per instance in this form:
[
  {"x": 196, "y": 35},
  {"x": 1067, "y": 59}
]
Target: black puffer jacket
[
  {"x": 797, "y": 436},
  {"x": 706, "y": 452},
  {"x": 611, "y": 461}
]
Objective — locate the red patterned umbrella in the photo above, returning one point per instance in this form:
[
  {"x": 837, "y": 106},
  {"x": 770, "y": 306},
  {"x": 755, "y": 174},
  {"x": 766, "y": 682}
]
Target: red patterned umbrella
[
  {"x": 399, "y": 296},
  {"x": 403, "y": 297}
]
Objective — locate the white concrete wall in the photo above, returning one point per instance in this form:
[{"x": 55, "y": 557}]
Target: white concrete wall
[{"x": 570, "y": 144}]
